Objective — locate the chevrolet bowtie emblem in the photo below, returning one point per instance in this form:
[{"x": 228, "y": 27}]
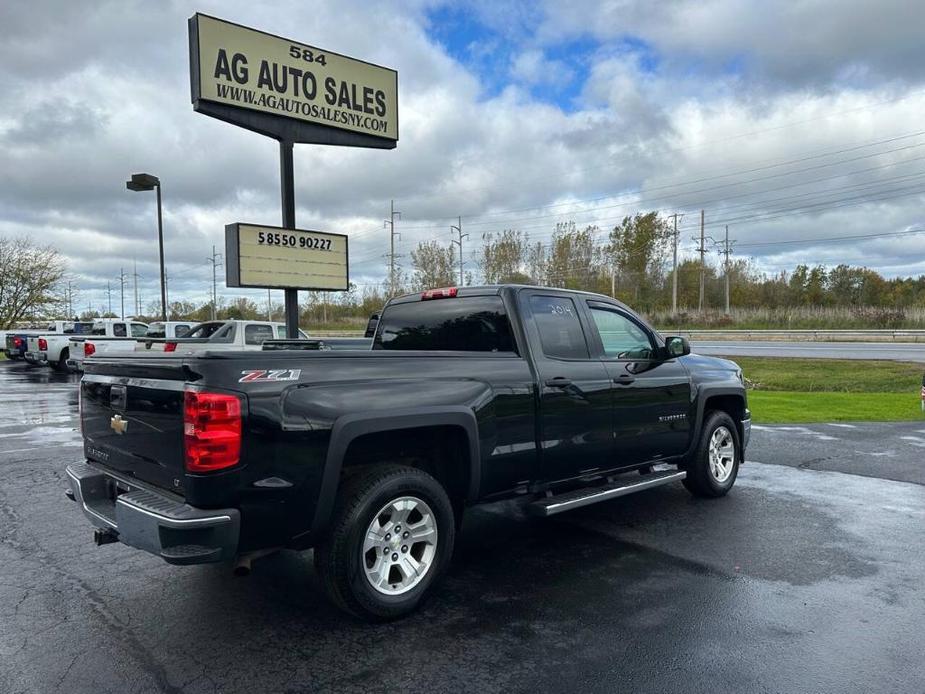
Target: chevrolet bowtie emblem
[{"x": 117, "y": 424}]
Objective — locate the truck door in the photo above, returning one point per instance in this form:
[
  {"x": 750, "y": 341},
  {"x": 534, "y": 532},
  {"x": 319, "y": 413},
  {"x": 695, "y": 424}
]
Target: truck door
[
  {"x": 574, "y": 420},
  {"x": 651, "y": 396}
]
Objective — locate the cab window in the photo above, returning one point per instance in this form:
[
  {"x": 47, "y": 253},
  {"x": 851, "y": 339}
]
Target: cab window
[
  {"x": 560, "y": 330},
  {"x": 621, "y": 336},
  {"x": 180, "y": 330},
  {"x": 139, "y": 329},
  {"x": 118, "y": 330}
]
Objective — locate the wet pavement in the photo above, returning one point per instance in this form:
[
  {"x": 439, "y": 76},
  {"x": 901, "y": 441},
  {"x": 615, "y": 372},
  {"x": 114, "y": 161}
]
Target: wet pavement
[{"x": 804, "y": 579}]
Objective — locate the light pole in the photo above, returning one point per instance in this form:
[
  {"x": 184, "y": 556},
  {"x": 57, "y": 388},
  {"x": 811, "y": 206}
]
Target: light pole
[{"x": 138, "y": 183}]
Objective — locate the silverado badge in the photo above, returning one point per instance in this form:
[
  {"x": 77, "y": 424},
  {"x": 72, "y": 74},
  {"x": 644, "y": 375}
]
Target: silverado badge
[{"x": 117, "y": 424}]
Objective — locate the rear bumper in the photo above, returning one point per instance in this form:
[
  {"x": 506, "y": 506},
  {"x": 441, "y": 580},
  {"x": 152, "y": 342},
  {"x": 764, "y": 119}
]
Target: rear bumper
[
  {"x": 150, "y": 520},
  {"x": 74, "y": 365},
  {"x": 36, "y": 358}
]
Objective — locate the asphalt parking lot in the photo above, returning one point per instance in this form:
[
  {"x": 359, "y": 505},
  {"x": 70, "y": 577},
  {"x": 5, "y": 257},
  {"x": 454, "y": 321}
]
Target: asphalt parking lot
[{"x": 808, "y": 577}]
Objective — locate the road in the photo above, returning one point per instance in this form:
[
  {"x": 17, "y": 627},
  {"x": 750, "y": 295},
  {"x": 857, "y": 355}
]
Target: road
[
  {"x": 803, "y": 579},
  {"x": 898, "y": 351}
]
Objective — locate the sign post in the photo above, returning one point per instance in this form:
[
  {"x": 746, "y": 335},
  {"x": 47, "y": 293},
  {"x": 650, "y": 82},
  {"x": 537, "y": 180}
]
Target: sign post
[
  {"x": 292, "y": 92},
  {"x": 287, "y": 194}
]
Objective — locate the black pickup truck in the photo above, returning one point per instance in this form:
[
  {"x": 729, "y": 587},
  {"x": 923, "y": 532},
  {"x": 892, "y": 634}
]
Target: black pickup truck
[{"x": 371, "y": 456}]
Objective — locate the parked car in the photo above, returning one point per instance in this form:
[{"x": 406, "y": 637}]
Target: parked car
[
  {"x": 561, "y": 398},
  {"x": 16, "y": 341},
  {"x": 107, "y": 335},
  {"x": 51, "y": 348},
  {"x": 220, "y": 336}
]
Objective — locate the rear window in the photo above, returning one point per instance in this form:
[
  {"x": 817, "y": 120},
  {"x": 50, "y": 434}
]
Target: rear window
[
  {"x": 207, "y": 329},
  {"x": 257, "y": 334},
  {"x": 468, "y": 324}
]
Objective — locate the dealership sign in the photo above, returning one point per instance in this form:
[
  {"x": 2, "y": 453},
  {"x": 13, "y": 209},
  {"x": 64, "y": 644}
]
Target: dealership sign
[
  {"x": 290, "y": 90},
  {"x": 273, "y": 257}
]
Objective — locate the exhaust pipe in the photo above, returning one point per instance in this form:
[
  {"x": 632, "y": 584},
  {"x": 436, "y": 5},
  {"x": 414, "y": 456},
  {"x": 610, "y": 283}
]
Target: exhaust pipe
[
  {"x": 105, "y": 537},
  {"x": 242, "y": 563}
]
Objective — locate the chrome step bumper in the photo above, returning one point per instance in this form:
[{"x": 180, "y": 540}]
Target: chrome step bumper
[
  {"x": 577, "y": 498},
  {"x": 146, "y": 519}
]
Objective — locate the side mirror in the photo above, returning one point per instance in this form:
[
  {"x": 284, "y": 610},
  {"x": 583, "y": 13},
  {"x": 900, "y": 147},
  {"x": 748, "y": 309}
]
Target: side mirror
[{"x": 677, "y": 346}]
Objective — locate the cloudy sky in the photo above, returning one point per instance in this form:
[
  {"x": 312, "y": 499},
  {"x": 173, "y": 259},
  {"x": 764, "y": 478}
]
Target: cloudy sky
[{"x": 792, "y": 122}]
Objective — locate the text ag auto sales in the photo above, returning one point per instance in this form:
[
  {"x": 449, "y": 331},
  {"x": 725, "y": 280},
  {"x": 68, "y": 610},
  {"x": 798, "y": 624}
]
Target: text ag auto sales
[{"x": 300, "y": 83}]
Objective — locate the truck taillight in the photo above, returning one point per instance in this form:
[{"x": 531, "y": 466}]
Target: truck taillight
[
  {"x": 43, "y": 344},
  {"x": 211, "y": 430},
  {"x": 89, "y": 348},
  {"x": 17, "y": 342},
  {"x": 443, "y": 293},
  {"x": 170, "y": 346}
]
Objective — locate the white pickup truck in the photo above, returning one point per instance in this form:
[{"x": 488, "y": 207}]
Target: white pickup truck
[
  {"x": 110, "y": 335},
  {"x": 49, "y": 348},
  {"x": 222, "y": 335}
]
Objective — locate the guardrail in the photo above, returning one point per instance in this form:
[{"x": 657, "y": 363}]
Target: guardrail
[
  {"x": 804, "y": 335},
  {"x": 885, "y": 335}
]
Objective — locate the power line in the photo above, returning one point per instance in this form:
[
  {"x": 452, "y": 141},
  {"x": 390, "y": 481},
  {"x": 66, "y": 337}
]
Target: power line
[
  {"x": 472, "y": 218},
  {"x": 462, "y": 161},
  {"x": 826, "y": 239}
]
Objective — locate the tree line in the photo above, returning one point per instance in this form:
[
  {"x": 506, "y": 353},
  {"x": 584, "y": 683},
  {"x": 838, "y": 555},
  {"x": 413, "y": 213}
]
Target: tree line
[{"x": 631, "y": 261}]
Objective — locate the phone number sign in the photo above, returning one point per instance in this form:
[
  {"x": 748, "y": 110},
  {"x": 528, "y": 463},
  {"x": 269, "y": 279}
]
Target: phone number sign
[{"x": 277, "y": 258}]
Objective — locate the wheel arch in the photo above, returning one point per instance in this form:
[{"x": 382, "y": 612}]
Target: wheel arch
[
  {"x": 728, "y": 400},
  {"x": 351, "y": 429}
]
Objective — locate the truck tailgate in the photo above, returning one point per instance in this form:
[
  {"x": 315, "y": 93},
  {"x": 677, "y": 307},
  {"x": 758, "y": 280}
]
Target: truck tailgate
[{"x": 133, "y": 422}]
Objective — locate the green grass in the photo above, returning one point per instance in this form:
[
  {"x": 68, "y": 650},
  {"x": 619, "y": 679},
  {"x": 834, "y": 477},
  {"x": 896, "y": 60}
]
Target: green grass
[
  {"x": 789, "y": 391},
  {"x": 781, "y": 407},
  {"x": 832, "y": 375}
]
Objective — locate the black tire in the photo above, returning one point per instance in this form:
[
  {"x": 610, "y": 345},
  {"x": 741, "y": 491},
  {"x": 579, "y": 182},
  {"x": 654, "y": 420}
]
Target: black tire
[
  {"x": 700, "y": 480},
  {"x": 62, "y": 360},
  {"x": 339, "y": 558}
]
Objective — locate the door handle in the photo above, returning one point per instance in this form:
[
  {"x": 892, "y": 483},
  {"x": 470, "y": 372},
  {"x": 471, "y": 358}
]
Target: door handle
[
  {"x": 624, "y": 380},
  {"x": 558, "y": 382}
]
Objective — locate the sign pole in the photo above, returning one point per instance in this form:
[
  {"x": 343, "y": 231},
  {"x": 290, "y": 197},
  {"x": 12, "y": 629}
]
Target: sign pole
[{"x": 287, "y": 190}]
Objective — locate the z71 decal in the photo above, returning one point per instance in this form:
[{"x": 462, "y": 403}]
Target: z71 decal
[{"x": 269, "y": 375}]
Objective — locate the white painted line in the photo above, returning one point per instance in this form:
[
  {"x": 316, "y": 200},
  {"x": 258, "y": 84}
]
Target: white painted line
[{"x": 843, "y": 426}]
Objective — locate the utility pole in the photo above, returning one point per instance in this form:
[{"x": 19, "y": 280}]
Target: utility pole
[
  {"x": 68, "y": 298},
  {"x": 702, "y": 250},
  {"x": 269, "y": 302},
  {"x": 214, "y": 259},
  {"x": 122, "y": 291},
  {"x": 135, "y": 280},
  {"x": 390, "y": 224},
  {"x": 109, "y": 297},
  {"x": 726, "y": 252},
  {"x": 674, "y": 272},
  {"x": 458, "y": 230}
]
